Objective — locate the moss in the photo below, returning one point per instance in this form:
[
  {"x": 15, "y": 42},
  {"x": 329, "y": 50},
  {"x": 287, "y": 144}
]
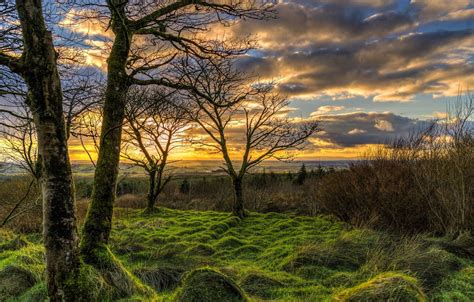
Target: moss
[
  {"x": 340, "y": 279},
  {"x": 430, "y": 266},
  {"x": 201, "y": 249},
  {"x": 208, "y": 285},
  {"x": 89, "y": 284},
  {"x": 229, "y": 243},
  {"x": 6, "y": 235},
  {"x": 460, "y": 287},
  {"x": 124, "y": 284},
  {"x": 260, "y": 285},
  {"x": 309, "y": 259},
  {"x": 35, "y": 293},
  {"x": 334, "y": 254},
  {"x": 13, "y": 244},
  {"x": 160, "y": 278},
  {"x": 171, "y": 249},
  {"x": 14, "y": 280},
  {"x": 246, "y": 251},
  {"x": 389, "y": 286}
]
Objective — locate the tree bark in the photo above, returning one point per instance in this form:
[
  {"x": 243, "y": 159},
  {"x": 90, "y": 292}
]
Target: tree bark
[
  {"x": 46, "y": 102},
  {"x": 238, "y": 206},
  {"x": 152, "y": 195},
  {"x": 98, "y": 222}
]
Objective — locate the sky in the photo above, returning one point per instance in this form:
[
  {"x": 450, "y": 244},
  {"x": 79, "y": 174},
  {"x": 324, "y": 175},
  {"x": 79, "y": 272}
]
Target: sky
[{"x": 368, "y": 70}]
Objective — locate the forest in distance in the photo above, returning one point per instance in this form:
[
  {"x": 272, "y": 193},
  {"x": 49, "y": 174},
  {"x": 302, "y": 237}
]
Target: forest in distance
[{"x": 236, "y": 150}]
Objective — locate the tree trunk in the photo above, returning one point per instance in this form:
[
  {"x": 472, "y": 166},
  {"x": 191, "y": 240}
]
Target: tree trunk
[
  {"x": 46, "y": 102},
  {"x": 152, "y": 195},
  {"x": 238, "y": 206},
  {"x": 99, "y": 216}
]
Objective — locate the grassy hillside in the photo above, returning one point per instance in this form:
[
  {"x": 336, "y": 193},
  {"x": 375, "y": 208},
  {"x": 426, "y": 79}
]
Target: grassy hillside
[{"x": 210, "y": 256}]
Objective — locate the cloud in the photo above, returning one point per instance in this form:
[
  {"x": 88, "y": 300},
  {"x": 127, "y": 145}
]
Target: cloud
[
  {"x": 356, "y": 131},
  {"x": 383, "y": 125},
  {"x": 335, "y": 48},
  {"x": 326, "y": 109},
  {"x": 360, "y": 128}
]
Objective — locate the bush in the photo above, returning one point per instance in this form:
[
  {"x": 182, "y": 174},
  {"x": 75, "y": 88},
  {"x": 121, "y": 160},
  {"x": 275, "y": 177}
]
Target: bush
[{"x": 421, "y": 183}]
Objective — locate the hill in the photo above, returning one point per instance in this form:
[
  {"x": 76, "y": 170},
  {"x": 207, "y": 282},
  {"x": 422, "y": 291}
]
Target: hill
[{"x": 210, "y": 256}]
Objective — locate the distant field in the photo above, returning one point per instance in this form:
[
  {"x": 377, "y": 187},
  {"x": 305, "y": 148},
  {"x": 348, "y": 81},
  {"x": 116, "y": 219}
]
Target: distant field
[
  {"x": 270, "y": 256},
  {"x": 201, "y": 167}
]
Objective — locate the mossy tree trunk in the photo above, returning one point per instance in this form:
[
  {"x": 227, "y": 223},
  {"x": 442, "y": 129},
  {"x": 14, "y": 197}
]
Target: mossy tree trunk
[
  {"x": 238, "y": 206},
  {"x": 157, "y": 182},
  {"x": 98, "y": 222},
  {"x": 152, "y": 195},
  {"x": 45, "y": 100}
]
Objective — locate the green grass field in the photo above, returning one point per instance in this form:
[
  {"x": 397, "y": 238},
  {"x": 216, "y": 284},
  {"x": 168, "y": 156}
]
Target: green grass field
[{"x": 211, "y": 256}]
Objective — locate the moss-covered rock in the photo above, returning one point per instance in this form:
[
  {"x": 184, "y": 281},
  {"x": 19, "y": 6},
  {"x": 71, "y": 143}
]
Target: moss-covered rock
[
  {"x": 389, "y": 286},
  {"x": 14, "y": 280},
  {"x": 260, "y": 285},
  {"x": 208, "y": 285},
  {"x": 160, "y": 278},
  {"x": 459, "y": 287},
  {"x": 429, "y": 266},
  {"x": 348, "y": 252}
]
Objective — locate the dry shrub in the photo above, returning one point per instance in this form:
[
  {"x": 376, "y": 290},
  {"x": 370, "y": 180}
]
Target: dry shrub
[
  {"x": 20, "y": 204},
  {"x": 423, "y": 182}
]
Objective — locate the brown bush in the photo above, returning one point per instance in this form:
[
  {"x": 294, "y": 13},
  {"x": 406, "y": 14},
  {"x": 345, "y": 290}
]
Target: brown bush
[{"x": 423, "y": 182}]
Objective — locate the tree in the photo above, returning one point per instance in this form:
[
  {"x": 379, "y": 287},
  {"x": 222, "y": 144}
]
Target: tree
[
  {"x": 301, "y": 176},
  {"x": 154, "y": 122},
  {"x": 148, "y": 36},
  {"x": 185, "y": 187},
  {"x": 230, "y": 108},
  {"x": 18, "y": 133},
  {"x": 35, "y": 61},
  {"x": 19, "y": 148}
]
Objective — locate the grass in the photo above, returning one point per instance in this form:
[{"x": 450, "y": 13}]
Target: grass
[{"x": 184, "y": 255}]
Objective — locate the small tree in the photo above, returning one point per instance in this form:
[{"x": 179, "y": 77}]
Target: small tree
[
  {"x": 185, "y": 187},
  {"x": 154, "y": 121},
  {"x": 248, "y": 118},
  {"x": 301, "y": 176}
]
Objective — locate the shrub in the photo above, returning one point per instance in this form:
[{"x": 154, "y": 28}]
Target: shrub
[{"x": 421, "y": 183}]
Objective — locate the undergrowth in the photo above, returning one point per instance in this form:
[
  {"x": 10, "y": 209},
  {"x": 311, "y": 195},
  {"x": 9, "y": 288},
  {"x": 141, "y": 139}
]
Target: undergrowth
[{"x": 189, "y": 255}]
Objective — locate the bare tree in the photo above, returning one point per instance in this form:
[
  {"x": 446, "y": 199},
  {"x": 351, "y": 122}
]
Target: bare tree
[
  {"x": 154, "y": 126},
  {"x": 19, "y": 149},
  {"x": 148, "y": 35},
  {"x": 249, "y": 118},
  {"x": 18, "y": 133}
]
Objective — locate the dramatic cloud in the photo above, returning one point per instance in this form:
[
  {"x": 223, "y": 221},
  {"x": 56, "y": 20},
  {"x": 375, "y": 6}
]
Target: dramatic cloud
[
  {"x": 360, "y": 128},
  {"x": 332, "y": 57},
  {"x": 345, "y": 48}
]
